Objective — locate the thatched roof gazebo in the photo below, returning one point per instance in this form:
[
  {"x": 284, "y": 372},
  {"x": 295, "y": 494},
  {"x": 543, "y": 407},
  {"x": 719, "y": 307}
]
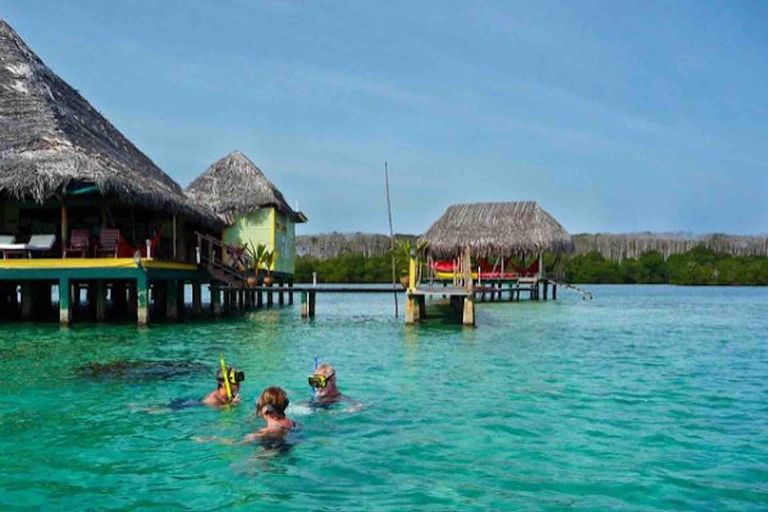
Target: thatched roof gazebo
[
  {"x": 488, "y": 230},
  {"x": 233, "y": 186},
  {"x": 52, "y": 139}
]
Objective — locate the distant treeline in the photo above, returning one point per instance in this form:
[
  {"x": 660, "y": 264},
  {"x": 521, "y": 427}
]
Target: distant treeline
[{"x": 699, "y": 266}]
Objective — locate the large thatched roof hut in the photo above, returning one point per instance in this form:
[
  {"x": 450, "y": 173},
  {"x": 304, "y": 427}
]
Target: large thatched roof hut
[
  {"x": 492, "y": 229},
  {"x": 52, "y": 140}
]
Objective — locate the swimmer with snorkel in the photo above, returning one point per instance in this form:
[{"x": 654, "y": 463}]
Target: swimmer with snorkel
[
  {"x": 228, "y": 390},
  {"x": 326, "y": 393}
]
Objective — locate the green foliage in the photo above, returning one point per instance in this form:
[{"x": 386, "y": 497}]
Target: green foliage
[{"x": 698, "y": 267}]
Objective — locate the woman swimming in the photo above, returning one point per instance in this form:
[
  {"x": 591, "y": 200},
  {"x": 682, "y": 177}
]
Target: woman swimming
[{"x": 271, "y": 406}]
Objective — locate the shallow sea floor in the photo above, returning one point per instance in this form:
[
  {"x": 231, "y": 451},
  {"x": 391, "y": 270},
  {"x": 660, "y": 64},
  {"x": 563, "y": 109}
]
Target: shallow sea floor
[{"x": 645, "y": 398}]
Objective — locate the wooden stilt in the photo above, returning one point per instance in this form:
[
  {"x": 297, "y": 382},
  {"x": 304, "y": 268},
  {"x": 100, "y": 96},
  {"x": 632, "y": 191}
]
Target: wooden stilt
[
  {"x": 172, "y": 301},
  {"x": 290, "y": 293},
  {"x": 422, "y": 307},
  {"x": 197, "y": 301},
  {"x": 280, "y": 296},
  {"x": 468, "y": 317},
  {"x": 142, "y": 299},
  {"x": 259, "y": 299},
  {"x": 270, "y": 297},
  {"x": 554, "y": 291},
  {"x": 119, "y": 300},
  {"x": 101, "y": 300},
  {"x": 227, "y": 301},
  {"x": 65, "y": 314},
  {"x": 304, "y": 305},
  {"x": 312, "y": 304},
  {"x": 411, "y": 309},
  {"x": 26, "y": 300},
  {"x": 546, "y": 289},
  {"x": 215, "y": 300}
]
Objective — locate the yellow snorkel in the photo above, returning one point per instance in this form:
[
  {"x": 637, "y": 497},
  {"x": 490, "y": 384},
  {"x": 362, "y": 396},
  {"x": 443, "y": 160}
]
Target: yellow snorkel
[{"x": 225, "y": 375}]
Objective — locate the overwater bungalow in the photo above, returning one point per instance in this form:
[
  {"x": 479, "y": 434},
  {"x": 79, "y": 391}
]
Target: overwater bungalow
[
  {"x": 84, "y": 212},
  {"x": 254, "y": 210},
  {"x": 489, "y": 248},
  {"x": 504, "y": 241}
]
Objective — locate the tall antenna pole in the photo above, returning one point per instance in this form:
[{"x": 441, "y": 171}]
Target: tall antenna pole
[{"x": 391, "y": 235}]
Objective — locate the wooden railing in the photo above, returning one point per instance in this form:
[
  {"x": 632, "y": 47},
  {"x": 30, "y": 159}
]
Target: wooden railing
[{"x": 226, "y": 262}]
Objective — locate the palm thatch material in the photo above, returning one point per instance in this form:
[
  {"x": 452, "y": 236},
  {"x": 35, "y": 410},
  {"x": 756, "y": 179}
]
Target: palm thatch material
[
  {"x": 490, "y": 229},
  {"x": 50, "y": 136},
  {"x": 234, "y": 186}
]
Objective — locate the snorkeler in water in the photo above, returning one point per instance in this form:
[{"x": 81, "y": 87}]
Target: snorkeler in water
[
  {"x": 326, "y": 393},
  {"x": 271, "y": 407},
  {"x": 227, "y": 392}
]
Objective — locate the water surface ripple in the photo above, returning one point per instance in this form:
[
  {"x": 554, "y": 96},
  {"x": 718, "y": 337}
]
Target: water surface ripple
[{"x": 646, "y": 398}]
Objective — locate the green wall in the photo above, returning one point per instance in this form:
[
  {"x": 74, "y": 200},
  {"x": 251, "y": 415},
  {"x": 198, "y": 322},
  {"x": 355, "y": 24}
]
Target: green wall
[{"x": 256, "y": 228}]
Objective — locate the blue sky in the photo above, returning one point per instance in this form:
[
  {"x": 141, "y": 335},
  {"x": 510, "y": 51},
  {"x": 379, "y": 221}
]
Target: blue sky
[{"x": 615, "y": 116}]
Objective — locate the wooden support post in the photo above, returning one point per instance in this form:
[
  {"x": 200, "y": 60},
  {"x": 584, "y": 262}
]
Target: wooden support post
[
  {"x": 215, "y": 300},
  {"x": 142, "y": 299},
  {"x": 197, "y": 304},
  {"x": 270, "y": 297},
  {"x": 64, "y": 223},
  {"x": 468, "y": 316},
  {"x": 131, "y": 304},
  {"x": 118, "y": 298},
  {"x": 248, "y": 299},
  {"x": 65, "y": 314},
  {"x": 422, "y": 307},
  {"x": 172, "y": 301},
  {"x": 90, "y": 298},
  {"x": 411, "y": 309},
  {"x": 304, "y": 305},
  {"x": 227, "y": 301},
  {"x": 101, "y": 300},
  {"x": 554, "y": 291},
  {"x": 280, "y": 296},
  {"x": 13, "y": 299},
  {"x": 290, "y": 293},
  {"x": 27, "y": 300},
  {"x": 546, "y": 289},
  {"x": 312, "y": 304},
  {"x": 259, "y": 299}
]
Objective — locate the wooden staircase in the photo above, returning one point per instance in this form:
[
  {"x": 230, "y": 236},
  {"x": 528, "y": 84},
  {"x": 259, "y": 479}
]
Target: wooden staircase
[{"x": 225, "y": 263}]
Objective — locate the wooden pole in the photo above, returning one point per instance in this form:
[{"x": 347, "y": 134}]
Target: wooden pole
[
  {"x": 172, "y": 302},
  {"x": 101, "y": 300},
  {"x": 391, "y": 236},
  {"x": 197, "y": 305},
  {"x": 142, "y": 299},
  {"x": 312, "y": 304},
  {"x": 304, "y": 304},
  {"x": 65, "y": 313},
  {"x": 175, "y": 239},
  {"x": 64, "y": 223}
]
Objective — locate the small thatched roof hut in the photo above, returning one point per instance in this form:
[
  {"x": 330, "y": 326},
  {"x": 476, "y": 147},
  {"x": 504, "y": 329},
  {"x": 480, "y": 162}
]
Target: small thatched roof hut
[
  {"x": 51, "y": 138},
  {"x": 234, "y": 186},
  {"x": 490, "y": 229}
]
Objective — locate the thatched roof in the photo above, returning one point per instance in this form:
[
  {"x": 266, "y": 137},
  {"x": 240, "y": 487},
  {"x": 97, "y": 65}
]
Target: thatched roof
[
  {"x": 488, "y": 229},
  {"x": 50, "y": 137},
  {"x": 234, "y": 186}
]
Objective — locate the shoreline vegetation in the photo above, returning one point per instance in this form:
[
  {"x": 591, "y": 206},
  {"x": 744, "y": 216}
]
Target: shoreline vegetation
[{"x": 699, "y": 266}]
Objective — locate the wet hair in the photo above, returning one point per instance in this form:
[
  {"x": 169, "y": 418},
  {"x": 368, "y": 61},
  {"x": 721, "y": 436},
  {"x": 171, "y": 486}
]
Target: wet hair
[
  {"x": 325, "y": 369},
  {"x": 274, "y": 401}
]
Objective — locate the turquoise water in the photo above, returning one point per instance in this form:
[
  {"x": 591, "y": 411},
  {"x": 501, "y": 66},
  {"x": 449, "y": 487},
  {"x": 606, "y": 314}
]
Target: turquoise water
[{"x": 646, "y": 398}]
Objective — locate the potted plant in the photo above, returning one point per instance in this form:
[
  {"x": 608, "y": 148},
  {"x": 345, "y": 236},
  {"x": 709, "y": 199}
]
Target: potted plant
[
  {"x": 255, "y": 254},
  {"x": 267, "y": 260}
]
